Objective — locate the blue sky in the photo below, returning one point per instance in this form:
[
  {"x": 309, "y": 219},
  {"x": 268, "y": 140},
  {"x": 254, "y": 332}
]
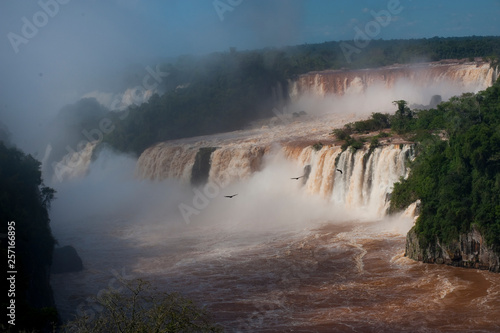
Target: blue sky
[
  {"x": 82, "y": 44},
  {"x": 153, "y": 28}
]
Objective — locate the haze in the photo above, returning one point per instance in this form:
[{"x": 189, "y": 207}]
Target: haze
[{"x": 93, "y": 46}]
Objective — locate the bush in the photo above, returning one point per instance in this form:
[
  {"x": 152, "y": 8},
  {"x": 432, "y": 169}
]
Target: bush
[
  {"x": 317, "y": 146},
  {"x": 342, "y": 133},
  {"x": 356, "y": 144},
  {"x": 141, "y": 308},
  {"x": 383, "y": 135}
]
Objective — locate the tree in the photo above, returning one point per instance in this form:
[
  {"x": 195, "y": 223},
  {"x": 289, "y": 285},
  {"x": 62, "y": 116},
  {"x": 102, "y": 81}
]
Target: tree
[
  {"x": 456, "y": 179},
  {"x": 402, "y": 120},
  {"x": 138, "y": 307},
  {"x": 24, "y": 204}
]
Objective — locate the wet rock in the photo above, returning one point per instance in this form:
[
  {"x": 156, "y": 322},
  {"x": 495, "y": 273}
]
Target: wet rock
[{"x": 470, "y": 251}]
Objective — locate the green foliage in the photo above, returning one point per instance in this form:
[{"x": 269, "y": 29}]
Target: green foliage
[
  {"x": 402, "y": 120},
  {"x": 373, "y": 143},
  {"x": 139, "y": 307},
  {"x": 312, "y": 57},
  {"x": 317, "y": 146},
  {"x": 356, "y": 144},
  {"x": 383, "y": 135},
  {"x": 25, "y": 200},
  {"x": 342, "y": 133},
  {"x": 458, "y": 179},
  {"x": 225, "y": 91},
  {"x": 377, "y": 122},
  {"x": 219, "y": 93}
]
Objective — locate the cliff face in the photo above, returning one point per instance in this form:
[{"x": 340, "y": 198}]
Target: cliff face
[
  {"x": 465, "y": 77},
  {"x": 470, "y": 251}
]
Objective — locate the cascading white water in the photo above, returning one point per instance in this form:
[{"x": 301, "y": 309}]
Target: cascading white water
[
  {"x": 365, "y": 179},
  {"x": 273, "y": 258},
  {"x": 176, "y": 159},
  {"x": 164, "y": 161},
  {"x": 463, "y": 77},
  {"x": 75, "y": 164},
  {"x": 235, "y": 162}
]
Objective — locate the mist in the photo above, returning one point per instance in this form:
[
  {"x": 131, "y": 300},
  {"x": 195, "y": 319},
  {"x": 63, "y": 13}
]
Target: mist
[
  {"x": 110, "y": 201},
  {"x": 376, "y": 98},
  {"x": 107, "y": 189},
  {"x": 95, "y": 49},
  {"x": 89, "y": 48}
]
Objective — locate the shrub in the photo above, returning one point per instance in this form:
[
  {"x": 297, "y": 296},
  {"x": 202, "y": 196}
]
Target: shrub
[
  {"x": 317, "y": 146},
  {"x": 356, "y": 144},
  {"x": 342, "y": 133},
  {"x": 141, "y": 308}
]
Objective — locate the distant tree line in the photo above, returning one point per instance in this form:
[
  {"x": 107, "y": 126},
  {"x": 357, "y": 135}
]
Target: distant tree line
[{"x": 226, "y": 91}]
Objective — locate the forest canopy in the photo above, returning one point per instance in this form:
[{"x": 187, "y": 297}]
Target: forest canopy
[
  {"x": 226, "y": 91},
  {"x": 456, "y": 174}
]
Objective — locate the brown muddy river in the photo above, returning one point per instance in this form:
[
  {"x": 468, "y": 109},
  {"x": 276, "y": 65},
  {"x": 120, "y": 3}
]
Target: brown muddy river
[{"x": 330, "y": 277}]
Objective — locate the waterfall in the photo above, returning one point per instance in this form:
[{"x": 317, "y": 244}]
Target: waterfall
[
  {"x": 225, "y": 164},
  {"x": 463, "y": 77},
  {"x": 74, "y": 164},
  {"x": 360, "y": 179},
  {"x": 365, "y": 179},
  {"x": 165, "y": 160},
  {"x": 235, "y": 162}
]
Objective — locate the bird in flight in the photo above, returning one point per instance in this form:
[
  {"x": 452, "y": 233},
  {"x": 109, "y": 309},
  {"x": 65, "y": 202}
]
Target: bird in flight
[
  {"x": 296, "y": 178},
  {"x": 339, "y": 171},
  {"x": 230, "y": 196}
]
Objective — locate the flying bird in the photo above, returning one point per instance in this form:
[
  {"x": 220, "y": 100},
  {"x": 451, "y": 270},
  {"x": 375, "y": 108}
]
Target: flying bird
[
  {"x": 230, "y": 196},
  {"x": 339, "y": 171},
  {"x": 297, "y": 178}
]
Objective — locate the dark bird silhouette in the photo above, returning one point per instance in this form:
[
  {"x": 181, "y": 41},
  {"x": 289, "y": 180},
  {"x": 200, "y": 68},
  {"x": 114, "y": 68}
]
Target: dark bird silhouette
[
  {"x": 297, "y": 178},
  {"x": 230, "y": 196},
  {"x": 339, "y": 171}
]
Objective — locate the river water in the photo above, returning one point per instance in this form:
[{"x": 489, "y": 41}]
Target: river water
[
  {"x": 328, "y": 276},
  {"x": 281, "y": 256}
]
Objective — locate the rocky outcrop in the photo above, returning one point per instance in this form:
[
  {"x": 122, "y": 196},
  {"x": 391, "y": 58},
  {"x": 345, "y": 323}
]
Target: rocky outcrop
[
  {"x": 65, "y": 259},
  {"x": 201, "y": 167},
  {"x": 470, "y": 251}
]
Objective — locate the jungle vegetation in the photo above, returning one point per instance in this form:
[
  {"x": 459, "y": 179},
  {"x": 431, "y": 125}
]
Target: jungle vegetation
[
  {"x": 24, "y": 205},
  {"x": 226, "y": 91},
  {"x": 456, "y": 173}
]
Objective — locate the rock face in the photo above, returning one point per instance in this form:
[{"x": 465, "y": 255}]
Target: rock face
[
  {"x": 468, "y": 76},
  {"x": 201, "y": 167},
  {"x": 470, "y": 251},
  {"x": 65, "y": 259}
]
